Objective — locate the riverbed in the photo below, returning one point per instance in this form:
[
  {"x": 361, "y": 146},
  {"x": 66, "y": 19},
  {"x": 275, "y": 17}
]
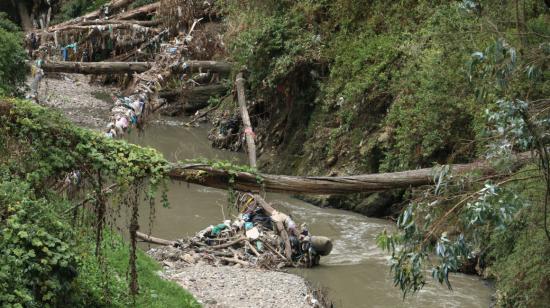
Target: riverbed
[{"x": 355, "y": 274}]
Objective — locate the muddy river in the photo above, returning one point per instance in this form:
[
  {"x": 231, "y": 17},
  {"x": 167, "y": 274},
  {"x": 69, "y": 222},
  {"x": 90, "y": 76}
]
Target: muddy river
[{"x": 355, "y": 274}]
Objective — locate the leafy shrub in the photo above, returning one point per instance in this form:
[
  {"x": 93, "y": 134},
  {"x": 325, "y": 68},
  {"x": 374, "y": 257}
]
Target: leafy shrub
[
  {"x": 12, "y": 57},
  {"x": 38, "y": 266}
]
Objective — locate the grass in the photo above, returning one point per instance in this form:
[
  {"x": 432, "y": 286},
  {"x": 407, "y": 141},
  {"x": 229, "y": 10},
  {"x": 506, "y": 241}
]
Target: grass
[{"x": 154, "y": 291}]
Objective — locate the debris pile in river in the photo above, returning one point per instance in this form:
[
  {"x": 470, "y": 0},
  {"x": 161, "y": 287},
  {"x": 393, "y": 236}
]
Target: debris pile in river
[{"x": 259, "y": 237}]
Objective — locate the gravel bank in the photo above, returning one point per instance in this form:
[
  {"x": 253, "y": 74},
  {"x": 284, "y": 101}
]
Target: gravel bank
[
  {"x": 83, "y": 103},
  {"x": 226, "y": 286},
  {"x": 233, "y": 286}
]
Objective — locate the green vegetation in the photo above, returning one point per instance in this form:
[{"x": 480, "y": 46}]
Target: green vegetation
[
  {"x": 74, "y": 8},
  {"x": 357, "y": 86},
  {"x": 53, "y": 252},
  {"x": 12, "y": 57}
]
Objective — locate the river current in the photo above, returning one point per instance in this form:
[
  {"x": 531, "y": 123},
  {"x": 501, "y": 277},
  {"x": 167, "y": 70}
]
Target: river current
[{"x": 355, "y": 274}]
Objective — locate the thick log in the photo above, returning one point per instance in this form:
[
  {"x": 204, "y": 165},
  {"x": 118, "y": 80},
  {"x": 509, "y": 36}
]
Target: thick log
[
  {"x": 321, "y": 185},
  {"x": 204, "y": 66},
  {"x": 192, "y": 99},
  {"x": 248, "y": 132},
  {"x": 111, "y": 25},
  {"x": 96, "y": 67}
]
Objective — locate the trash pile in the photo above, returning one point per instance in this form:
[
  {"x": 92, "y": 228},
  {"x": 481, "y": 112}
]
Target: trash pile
[
  {"x": 260, "y": 236},
  {"x": 125, "y": 113}
]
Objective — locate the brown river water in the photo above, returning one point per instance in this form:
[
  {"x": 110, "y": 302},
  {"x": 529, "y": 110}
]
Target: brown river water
[{"x": 356, "y": 273}]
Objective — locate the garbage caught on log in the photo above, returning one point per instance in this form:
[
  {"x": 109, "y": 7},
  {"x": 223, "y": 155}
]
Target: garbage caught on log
[{"x": 259, "y": 236}]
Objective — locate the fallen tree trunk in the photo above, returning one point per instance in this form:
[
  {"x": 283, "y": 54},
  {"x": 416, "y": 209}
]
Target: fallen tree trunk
[
  {"x": 192, "y": 99},
  {"x": 204, "y": 66},
  {"x": 199, "y": 93},
  {"x": 321, "y": 185},
  {"x": 248, "y": 132},
  {"x": 110, "y": 25},
  {"x": 113, "y": 5},
  {"x": 142, "y": 10},
  {"x": 154, "y": 240},
  {"x": 143, "y": 23},
  {"x": 96, "y": 67}
]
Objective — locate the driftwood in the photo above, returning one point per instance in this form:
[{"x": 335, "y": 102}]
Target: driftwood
[
  {"x": 142, "y": 10},
  {"x": 250, "y": 240},
  {"x": 248, "y": 132},
  {"x": 154, "y": 240},
  {"x": 192, "y": 99},
  {"x": 196, "y": 93},
  {"x": 113, "y": 5},
  {"x": 323, "y": 185},
  {"x": 204, "y": 66},
  {"x": 112, "y": 23},
  {"x": 96, "y": 67}
]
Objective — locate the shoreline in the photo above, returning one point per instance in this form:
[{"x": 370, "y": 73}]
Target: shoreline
[
  {"x": 222, "y": 286},
  {"x": 234, "y": 286}
]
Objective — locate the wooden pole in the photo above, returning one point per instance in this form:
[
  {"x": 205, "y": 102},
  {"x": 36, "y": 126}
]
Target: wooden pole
[
  {"x": 248, "y": 132},
  {"x": 204, "y": 66},
  {"x": 96, "y": 67}
]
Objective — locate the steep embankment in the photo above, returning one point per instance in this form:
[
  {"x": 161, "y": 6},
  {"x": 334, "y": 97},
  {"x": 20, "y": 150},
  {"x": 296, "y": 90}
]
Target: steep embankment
[{"x": 350, "y": 87}]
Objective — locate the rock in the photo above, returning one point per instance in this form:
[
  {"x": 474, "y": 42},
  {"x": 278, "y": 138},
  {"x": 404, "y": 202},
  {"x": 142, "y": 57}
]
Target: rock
[
  {"x": 188, "y": 258},
  {"x": 331, "y": 161},
  {"x": 378, "y": 204}
]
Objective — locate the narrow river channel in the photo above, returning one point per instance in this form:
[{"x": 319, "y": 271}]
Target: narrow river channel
[{"x": 355, "y": 274}]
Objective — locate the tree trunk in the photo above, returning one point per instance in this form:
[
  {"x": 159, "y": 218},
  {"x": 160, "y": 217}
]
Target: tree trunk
[
  {"x": 26, "y": 22},
  {"x": 321, "y": 185},
  {"x": 204, "y": 66},
  {"x": 248, "y": 132},
  {"x": 193, "y": 99},
  {"x": 96, "y": 67},
  {"x": 142, "y": 10}
]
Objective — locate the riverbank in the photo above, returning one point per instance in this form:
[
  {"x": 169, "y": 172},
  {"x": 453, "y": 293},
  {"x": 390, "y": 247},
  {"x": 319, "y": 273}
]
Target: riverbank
[{"x": 87, "y": 105}]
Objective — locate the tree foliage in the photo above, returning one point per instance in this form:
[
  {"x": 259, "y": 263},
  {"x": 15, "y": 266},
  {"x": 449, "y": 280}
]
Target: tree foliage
[{"x": 12, "y": 57}]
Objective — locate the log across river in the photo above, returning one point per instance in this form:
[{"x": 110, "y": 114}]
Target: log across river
[{"x": 356, "y": 272}]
